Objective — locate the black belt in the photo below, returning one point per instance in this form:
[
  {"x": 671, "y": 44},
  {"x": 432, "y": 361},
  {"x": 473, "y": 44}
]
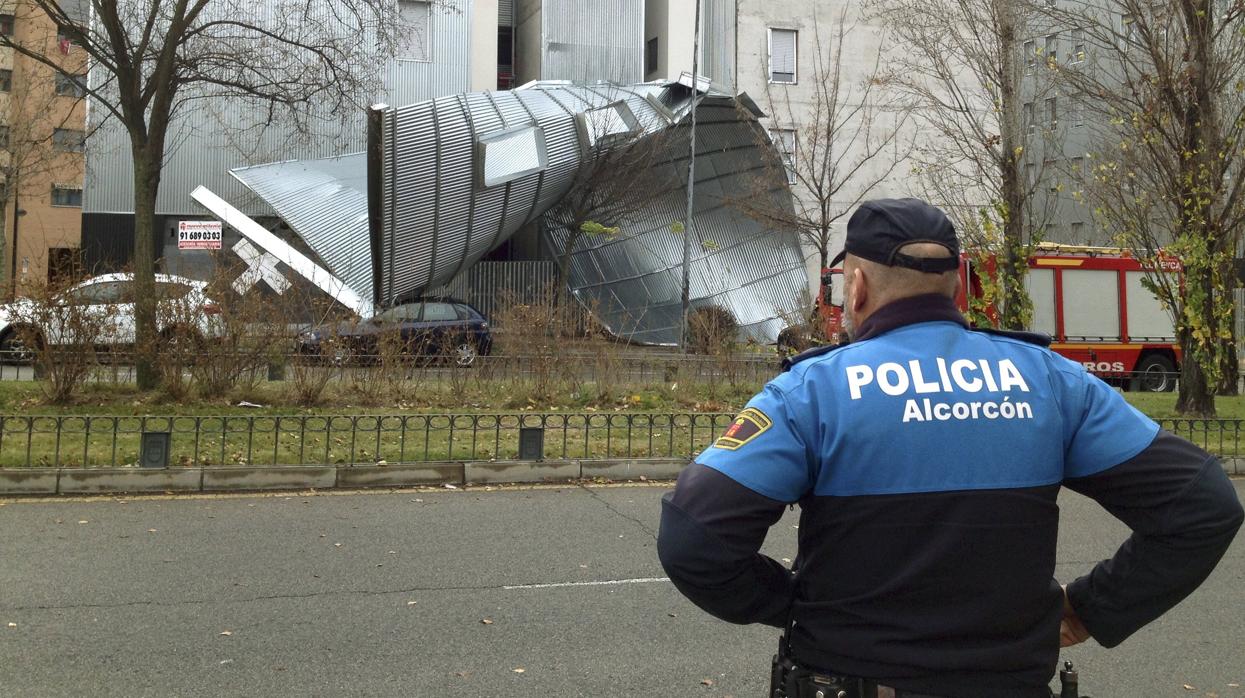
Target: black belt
[{"x": 808, "y": 684}]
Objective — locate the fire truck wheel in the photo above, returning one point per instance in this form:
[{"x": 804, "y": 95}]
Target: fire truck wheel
[{"x": 1156, "y": 374}]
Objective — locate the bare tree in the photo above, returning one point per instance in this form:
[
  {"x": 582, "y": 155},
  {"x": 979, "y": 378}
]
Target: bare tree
[
  {"x": 963, "y": 63},
  {"x": 620, "y": 177},
  {"x": 153, "y": 60},
  {"x": 838, "y": 141},
  {"x": 1166, "y": 86}
]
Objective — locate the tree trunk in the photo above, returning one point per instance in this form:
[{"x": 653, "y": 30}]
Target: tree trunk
[
  {"x": 1013, "y": 265},
  {"x": 1229, "y": 363},
  {"x": 146, "y": 344},
  {"x": 1195, "y": 398}
]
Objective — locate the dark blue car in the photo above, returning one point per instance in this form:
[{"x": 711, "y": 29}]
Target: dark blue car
[{"x": 442, "y": 328}]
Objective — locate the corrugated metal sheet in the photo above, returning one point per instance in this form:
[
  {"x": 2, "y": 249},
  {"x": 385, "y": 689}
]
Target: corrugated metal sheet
[
  {"x": 505, "y": 13},
  {"x": 490, "y": 286},
  {"x": 437, "y": 218},
  {"x": 206, "y": 143},
  {"x": 325, "y": 202},
  {"x": 718, "y": 53},
  {"x": 589, "y": 40}
]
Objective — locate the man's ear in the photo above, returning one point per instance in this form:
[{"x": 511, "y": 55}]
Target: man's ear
[{"x": 860, "y": 289}]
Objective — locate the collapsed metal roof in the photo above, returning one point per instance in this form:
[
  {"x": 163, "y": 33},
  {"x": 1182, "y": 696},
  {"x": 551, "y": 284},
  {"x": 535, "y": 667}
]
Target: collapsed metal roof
[{"x": 455, "y": 177}]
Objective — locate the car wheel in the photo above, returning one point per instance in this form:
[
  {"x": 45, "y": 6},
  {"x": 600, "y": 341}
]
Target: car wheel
[
  {"x": 1156, "y": 374},
  {"x": 340, "y": 355},
  {"x": 15, "y": 350},
  {"x": 465, "y": 354}
]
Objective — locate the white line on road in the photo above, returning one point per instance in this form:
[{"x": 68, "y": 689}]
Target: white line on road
[{"x": 611, "y": 582}]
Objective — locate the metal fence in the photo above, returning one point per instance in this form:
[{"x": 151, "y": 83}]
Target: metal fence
[{"x": 99, "y": 441}]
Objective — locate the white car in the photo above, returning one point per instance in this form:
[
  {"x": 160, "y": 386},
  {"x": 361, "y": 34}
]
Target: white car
[{"x": 105, "y": 304}]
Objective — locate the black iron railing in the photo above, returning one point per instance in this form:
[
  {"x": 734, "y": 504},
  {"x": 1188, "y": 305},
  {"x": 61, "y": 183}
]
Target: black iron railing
[
  {"x": 104, "y": 441},
  {"x": 110, "y": 441}
]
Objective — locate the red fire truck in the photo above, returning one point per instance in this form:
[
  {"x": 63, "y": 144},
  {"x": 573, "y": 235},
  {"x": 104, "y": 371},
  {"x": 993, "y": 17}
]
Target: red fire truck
[{"x": 1090, "y": 300}]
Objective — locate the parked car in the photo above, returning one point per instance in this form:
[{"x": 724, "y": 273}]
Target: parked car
[
  {"x": 105, "y": 309},
  {"x": 431, "y": 328}
]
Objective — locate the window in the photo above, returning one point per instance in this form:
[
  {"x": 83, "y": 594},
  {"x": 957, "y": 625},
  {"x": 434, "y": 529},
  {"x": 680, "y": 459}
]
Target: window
[
  {"x": 1052, "y": 50},
  {"x": 1078, "y": 234},
  {"x": 1030, "y": 51},
  {"x": 4, "y": 137},
  {"x": 650, "y": 56},
  {"x": 408, "y": 312},
  {"x": 415, "y": 16},
  {"x": 1078, "y": 165},
  {"x": 439, "y": 312},
  {"x": 66, "y": 195},
  {"x": 1030, "y": 175},
  {"x": 6, "y": 80},
  {"x": 6, "y": 25},
  {"x": 68, "y": 140},
  {"x": 1076, "y": 114},
  {"x": 70, "y": 85},
  {"x": 1078, "y": 46},
  {"x": 605, "y": 126},
  {"x": 783, "y": 47},
  {"x": 1128, "y": 27},
  {"x": 511, "y": 154},
  {"x": 1029, "y": 125},
  {"x": 1052, "y": 113},
  {"x": 785, "y": 141},
  {"x": 1048, "y": 172}
]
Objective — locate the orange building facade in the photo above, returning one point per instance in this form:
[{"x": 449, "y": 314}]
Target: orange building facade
[{"x": 42, "y": 134}]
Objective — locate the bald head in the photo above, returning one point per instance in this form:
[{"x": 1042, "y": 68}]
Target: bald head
[{"x": 869, "y": 285}]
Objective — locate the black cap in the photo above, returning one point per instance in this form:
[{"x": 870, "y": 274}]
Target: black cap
[{"x": 880, "y": 227}]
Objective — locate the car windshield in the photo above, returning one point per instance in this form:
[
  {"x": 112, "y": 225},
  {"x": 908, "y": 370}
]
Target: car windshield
[{"x": 401, "y": 313}]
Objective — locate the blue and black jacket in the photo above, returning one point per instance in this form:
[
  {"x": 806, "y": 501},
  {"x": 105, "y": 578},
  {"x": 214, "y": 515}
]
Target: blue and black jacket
[{"x": 926, "y": 459}]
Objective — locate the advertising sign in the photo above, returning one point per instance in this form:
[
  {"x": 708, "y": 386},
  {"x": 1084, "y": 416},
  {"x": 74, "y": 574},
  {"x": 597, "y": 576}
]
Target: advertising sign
[{"x": 199, "y": 235}]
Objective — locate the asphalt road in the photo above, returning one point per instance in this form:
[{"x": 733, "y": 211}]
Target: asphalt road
[{"x": 524, "y": 593}]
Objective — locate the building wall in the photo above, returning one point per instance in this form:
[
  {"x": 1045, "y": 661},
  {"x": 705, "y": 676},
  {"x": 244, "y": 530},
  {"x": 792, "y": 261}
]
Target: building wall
[
  {"x": 671, "y": 22},
  {"x": 485, "y": 16},
  {"x": 205, "y": 144},
  {"x": 32, "y": 110},
  {"x": 528, "y": 40},
  {"x": 793, "y": 106},
  {"x": 579, "y": 40}
]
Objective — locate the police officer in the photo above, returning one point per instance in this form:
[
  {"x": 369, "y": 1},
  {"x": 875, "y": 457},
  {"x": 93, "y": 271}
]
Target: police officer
[{"x": 926, "y": 458}]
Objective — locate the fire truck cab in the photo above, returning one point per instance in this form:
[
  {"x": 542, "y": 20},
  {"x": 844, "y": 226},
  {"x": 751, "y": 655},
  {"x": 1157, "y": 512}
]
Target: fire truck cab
[{"x": 1092, "y": 301}]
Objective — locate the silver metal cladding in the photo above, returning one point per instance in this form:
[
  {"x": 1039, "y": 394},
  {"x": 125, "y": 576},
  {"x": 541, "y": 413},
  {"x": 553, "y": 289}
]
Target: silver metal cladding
[{"x": 460, "y": 175}]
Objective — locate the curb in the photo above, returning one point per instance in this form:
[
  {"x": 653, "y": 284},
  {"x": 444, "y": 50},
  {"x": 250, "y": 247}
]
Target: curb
[{"x": 45, "y": 481}]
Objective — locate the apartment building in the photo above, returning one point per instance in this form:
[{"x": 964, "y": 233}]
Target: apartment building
[
  {"x": 42, "y": 122},
  {"x": 780, "y": 52}
]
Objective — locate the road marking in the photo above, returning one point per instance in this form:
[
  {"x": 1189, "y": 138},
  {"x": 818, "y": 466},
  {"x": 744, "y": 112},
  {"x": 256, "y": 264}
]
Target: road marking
[{"x": 610, "y": 582}]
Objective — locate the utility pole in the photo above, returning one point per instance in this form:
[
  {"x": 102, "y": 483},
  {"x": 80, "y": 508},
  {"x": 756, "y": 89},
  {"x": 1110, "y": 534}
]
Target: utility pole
[{"x": 691, "y": 183}]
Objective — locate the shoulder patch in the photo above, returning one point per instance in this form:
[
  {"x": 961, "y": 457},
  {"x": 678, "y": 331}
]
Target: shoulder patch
[
  {"x": 790, "y": 361},
  {"x": 750, "y": 424},
  {"x": 1038, "y": 338}
]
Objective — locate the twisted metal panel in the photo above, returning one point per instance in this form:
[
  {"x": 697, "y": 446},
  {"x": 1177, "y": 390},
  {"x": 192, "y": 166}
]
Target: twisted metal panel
[{"x": 448, "y": 195}]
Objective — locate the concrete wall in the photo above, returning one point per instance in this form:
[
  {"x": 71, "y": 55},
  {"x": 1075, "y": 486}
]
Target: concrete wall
[
  {"x": 483, "y": 42},
  {"x": 528, "y": 40}
]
